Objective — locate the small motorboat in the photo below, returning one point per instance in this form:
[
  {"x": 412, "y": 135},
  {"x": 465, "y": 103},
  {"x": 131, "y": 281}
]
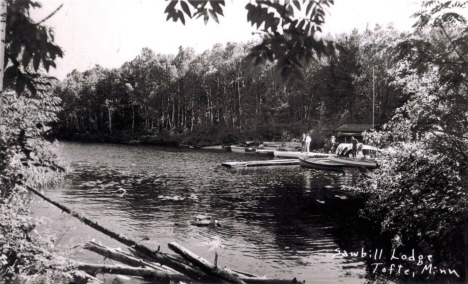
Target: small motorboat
[
  {"x": 296, "y": 154},
  {"x": 321, "y": 164},
  {"x": 237, "y": 149},
  {"x": 215, "y": 147},
  {"x": 269, "y": 152},
  {"x": 355, "y": 162},
  {"x": 245, "y": 147},
  {"x": 250, "y": 149}
]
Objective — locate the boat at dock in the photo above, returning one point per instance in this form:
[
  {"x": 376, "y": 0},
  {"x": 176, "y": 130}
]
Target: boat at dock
[
  {"x": 321, "y": 164},
  {"x": 245, "y": 147},
  {"x": 286, "y": 162},
  {"x": 215, "y": 147},
  {"x": 269, "y": 152},
  {"x": 225, "y": 148},
  {"x": 296, "y": 155},
  {"x": 242, "y": 149},
  {"x": 355, "y": 162}
]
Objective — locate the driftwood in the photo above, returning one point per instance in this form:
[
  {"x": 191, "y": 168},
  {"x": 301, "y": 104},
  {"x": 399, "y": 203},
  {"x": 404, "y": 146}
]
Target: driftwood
[
  {"x": 205, "y": 265},
  {"x": 131, "y": 260},
  {"x": 147, "y": 273},
  {"x": 224, "y": 273},
  {"x": 124, "y": 257},
  {"x": 246, "y": 277},
  {"x": 162, "y": 258},
  {"x": 81, "y": 277}
]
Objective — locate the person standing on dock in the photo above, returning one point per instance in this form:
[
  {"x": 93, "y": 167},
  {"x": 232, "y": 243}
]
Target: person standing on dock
[
  {"x": 354, "y": 142},
  {"x": 333, "y": 144},
  {"x": 307, "y": 142},
  {"x": 303, "y": 142}
]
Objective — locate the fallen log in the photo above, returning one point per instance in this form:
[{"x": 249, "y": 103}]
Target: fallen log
[
  {"x": 246, "y": 277},
  {"x": 147, "y": 273},
  {"x": 205, "y": 265},
  {"x": 127, "y": 258},
  {"x": 162, "y": 258},
  {"x": 81, "y": 277}
]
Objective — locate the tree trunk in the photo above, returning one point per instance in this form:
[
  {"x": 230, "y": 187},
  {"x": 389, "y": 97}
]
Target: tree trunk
[
  {"x": 109, "y": 112},
  {"x": 173, "y": 113},
  {"x": 3, "y": 17},
  {"x": 133, "y": 118},
  {"x": 240, "y": 103},
  {"x": 193, "y": 118}
]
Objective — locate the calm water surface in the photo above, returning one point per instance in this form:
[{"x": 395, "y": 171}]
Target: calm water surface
[{"x": 273, "y": 219}]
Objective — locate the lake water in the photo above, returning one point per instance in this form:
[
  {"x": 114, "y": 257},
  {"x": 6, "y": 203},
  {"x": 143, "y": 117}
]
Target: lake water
[{"x": 275, "y": 220}]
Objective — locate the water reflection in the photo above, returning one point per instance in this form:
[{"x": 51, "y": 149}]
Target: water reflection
[{"x": 275, "y": 220}]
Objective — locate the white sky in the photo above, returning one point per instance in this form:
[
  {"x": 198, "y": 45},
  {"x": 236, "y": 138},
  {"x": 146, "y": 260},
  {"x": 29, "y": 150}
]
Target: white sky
[{"x": 111, "y": 32}]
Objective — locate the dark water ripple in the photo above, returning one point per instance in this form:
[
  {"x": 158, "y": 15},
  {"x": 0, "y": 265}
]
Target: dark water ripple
[{"x": 272, "y": 220}]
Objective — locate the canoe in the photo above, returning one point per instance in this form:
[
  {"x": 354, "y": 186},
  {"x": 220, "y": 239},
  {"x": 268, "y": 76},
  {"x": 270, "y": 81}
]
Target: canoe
[
  {"x": 295, "y": 155},
  {"x": 238, "y": 149},
  {"x": 216, "y": 147},
  {"x": 354, "y": 162},
  {"x": 286, "y": 162},
  {"x": 242, "y": 149},
  {"x": 321, "y": 164},
  {"x": 250, "y": 149}
]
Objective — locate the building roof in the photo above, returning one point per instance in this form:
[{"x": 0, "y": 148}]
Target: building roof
[{"x": 354, "y": 127}]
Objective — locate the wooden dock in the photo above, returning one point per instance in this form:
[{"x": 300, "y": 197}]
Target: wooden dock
[{"x": 264, "y": 163}]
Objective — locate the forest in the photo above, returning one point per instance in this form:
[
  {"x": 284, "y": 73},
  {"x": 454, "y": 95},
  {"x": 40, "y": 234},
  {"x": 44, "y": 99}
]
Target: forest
[{"x": 208, "y": 98}]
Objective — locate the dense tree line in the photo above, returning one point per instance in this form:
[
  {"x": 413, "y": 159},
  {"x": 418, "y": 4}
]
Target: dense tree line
[{"x": 207, "y": 98}]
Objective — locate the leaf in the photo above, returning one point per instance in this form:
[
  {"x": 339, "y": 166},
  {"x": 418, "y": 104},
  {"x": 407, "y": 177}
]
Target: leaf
[
  {"x": 26, "y": 58},
  {"x": 185, "y": 8},
  {"x": 14, "y": 49},
  {"x": 36, "y": 61},
  {"x": 307, "y": 28},
  {"x": 206, "y": 18},
  {"x": 216, "y": 5},
  {"x": 297, "y": 4},
  {"x": 196, "y": 3},
  {"x": 249, "y": 7},
  {"x": 181, "y": 17},
  {"x": 309, "y": 6},
  {"x": 20, "y": 83},
  {"x": 301, "y": 24},
  {"x": 213, "y": 15},
  {"x": 170, "y": 7},
  {"x": 289, "y": 11}
]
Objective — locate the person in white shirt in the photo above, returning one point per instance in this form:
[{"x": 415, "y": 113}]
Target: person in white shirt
[
  {"x": 308, "y": 140},
  {"x": 303, "y": 142},
  {"x": 333, "y": 144}
]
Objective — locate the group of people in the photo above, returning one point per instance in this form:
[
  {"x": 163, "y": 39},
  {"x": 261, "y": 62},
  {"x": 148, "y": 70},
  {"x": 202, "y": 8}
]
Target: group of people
[
  {"x": 306, "y": 140},
  {"x": 356, "y": 146}
]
